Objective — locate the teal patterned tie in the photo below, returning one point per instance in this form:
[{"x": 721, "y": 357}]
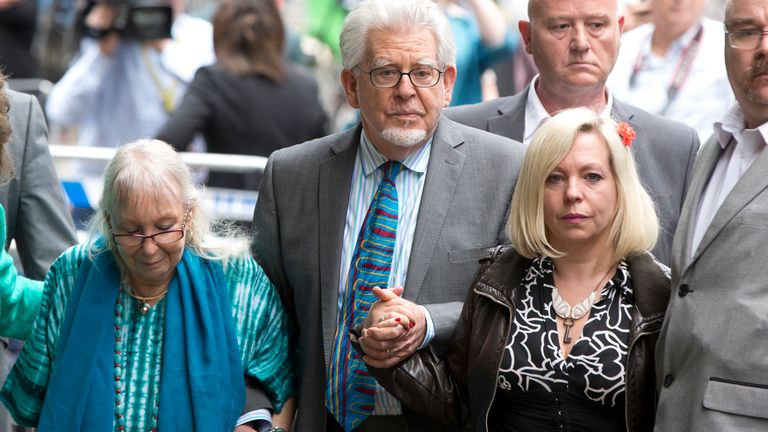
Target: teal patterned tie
[{"x": 350, "y": 391}]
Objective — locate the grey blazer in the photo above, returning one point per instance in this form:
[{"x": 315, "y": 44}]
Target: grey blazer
[
  {"x": 712, "y": 357},
  {"x": 299, "y": 224},
  {"x": 664, "y": 151},
  {"x": 36, "y": 212}
]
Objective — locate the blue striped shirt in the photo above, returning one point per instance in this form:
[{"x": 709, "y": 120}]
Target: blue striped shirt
[{"x": 365, "y": 180}]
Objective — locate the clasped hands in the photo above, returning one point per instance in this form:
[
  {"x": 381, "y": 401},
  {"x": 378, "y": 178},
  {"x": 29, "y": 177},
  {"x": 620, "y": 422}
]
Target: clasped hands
[{"x": 393, "y": 330}]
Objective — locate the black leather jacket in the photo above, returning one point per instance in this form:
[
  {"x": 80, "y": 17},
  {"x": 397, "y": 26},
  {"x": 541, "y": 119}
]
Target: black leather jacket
[{"x": 459, "y": 387}]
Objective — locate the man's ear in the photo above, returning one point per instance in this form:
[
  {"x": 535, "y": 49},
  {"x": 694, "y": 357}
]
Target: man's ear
[
  {"x": 525, "y": 33},
  {"x": 349, "y": 83},
  {"x": 449, "y": 79}
]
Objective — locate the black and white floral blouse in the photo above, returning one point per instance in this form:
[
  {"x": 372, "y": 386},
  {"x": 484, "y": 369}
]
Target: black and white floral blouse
[{"x": 593, "y": 375}]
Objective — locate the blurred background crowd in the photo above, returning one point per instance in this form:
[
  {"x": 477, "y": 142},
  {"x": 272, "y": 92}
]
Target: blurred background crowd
[{"x": 249, "y": 77}]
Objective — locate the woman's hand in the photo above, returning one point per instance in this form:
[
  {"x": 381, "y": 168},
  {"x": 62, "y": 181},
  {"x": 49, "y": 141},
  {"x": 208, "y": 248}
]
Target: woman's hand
[{"x": 393, "y": 330}]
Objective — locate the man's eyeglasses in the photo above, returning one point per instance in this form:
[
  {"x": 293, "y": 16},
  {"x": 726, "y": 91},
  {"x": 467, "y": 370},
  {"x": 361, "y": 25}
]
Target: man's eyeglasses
[
  {"x": 388, "y": 77},
  {"x": 162, "y": 237},
  {"x": 745, "y": 39}
]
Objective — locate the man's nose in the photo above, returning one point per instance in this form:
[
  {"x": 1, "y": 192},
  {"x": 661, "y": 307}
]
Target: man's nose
[
  {"x": 579, "y": 38},
  {"x": 405, "y": 87}
]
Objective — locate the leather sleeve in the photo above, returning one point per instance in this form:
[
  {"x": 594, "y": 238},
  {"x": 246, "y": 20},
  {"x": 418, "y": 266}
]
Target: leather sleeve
[{"x": 435, "y": 385}]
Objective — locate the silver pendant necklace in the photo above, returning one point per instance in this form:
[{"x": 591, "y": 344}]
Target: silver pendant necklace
[{"x": 571, "y": 314}]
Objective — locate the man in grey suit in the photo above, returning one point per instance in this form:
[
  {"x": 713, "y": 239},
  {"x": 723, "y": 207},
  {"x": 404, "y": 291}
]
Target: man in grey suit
[
  {"x": 453, "y": 196},
  {"x": 712, "y": 356},
  {"x": 35, "y": 208},
  {"x": 574, "y": 46}
]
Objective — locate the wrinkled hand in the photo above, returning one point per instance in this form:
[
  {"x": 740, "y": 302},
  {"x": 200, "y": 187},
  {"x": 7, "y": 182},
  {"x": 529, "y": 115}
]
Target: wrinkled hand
[
  {"x": 393, "y": 330},
  {"x": 245, "y": 428}
]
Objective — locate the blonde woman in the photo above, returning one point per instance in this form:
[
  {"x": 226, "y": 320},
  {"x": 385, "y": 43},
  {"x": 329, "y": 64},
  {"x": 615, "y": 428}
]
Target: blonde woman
[{"x": 559, "y": 331}]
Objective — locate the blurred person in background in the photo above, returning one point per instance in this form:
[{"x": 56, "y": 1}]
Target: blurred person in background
[
  {"x": 636, "y": 13},
  {"x": 129, "y": 78},
  {"x": 154, "y": 321},
  {"x": 36, "y": 212},
  {"x": 252, "y": 101},
  {"x": 18, "y": 22},
  {"x": 483, "y": 38},
  {"x": 669, "y": 67}
]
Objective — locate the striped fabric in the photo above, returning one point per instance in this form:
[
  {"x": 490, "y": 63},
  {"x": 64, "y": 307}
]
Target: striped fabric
[
  {"x": 365, "y": 180},
  {"x": 261, "y": 324},
  {"x": 351, "y": 390}
]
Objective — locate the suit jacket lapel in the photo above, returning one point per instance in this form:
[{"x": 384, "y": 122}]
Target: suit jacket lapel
[
  {"x": 511, "y": 119},
  {"x": 681, "y": 247},
  {"x": 750, "y": 185},
  {"x": 333, "y": 198},
  {"x": 620, "y": 111},
  {"x": 443, "y": 174}
]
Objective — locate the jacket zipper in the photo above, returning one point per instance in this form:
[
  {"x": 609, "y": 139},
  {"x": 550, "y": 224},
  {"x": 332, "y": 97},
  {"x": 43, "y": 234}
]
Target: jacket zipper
[{"x": 498, "y": 365}]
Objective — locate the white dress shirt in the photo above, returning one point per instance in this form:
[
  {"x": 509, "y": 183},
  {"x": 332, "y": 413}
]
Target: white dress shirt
[
  {"x": 741, "y": 147},
  {"x": 535, "y": 114}
]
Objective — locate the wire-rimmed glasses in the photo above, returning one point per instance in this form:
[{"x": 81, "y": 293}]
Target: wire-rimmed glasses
[
  {"x": 745, "y": 39},
  {"x": 160, "y": 238},
  {"x": 388, "y": 77}
]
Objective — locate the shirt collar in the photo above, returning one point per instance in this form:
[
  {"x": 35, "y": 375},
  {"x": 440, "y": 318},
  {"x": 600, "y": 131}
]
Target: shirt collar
[
  {"x": 536, "y": 114},
  {"x": 371, "y": 159},
  {"x": 732, "y": 126}
]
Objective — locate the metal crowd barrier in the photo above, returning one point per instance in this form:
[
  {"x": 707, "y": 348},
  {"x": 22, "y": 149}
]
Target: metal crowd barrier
[{"x": 233, "y": 204}]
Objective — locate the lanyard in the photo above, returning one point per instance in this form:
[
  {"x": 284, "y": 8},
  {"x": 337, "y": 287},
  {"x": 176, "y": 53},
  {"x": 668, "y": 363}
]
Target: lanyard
[{"x": 681, "y": 71}]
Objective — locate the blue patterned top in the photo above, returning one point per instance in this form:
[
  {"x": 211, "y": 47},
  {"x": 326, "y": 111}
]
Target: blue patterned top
[{"x": 261, "y": 324}]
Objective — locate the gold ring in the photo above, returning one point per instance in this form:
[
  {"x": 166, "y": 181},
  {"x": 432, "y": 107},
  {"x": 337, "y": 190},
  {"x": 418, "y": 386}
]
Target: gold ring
[{"x": 388, "y": 354}]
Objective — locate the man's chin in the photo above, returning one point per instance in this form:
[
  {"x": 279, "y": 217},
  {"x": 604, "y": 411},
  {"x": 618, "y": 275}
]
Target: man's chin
[{"x": 404, "y": 137}]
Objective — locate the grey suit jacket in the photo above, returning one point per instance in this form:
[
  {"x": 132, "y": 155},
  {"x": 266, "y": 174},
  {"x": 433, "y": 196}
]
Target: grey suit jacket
[
  {"x": 299, "y": 225},
  {"x": 36, "y": 212},
  {"x": 712, "y": 357},
  {"x": 664, "y": 151}
]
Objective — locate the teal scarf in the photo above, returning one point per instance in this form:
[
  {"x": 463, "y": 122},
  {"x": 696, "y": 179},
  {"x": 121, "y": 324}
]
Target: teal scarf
[{"x": 201, "y": 388}]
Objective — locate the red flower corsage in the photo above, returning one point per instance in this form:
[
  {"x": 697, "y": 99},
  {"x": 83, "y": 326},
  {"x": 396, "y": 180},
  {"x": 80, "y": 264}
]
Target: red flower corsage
[{"x": 626, "y": 133}]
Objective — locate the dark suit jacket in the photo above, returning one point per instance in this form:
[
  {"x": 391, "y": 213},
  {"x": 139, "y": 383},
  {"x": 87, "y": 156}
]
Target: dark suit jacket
[
  {"x": 299, "y": 226},
  {"x": 36, "y": 212},
  {"x": 664, "y": 152}
]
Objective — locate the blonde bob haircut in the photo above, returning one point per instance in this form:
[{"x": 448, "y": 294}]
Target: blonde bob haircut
[
  {"x": 152, "y": 169},
  {"x": 636, "y": 225}
]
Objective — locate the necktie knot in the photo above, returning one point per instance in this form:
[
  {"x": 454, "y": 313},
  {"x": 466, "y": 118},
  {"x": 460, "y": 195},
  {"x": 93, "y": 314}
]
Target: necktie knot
[{"x": 391, "y": 169}]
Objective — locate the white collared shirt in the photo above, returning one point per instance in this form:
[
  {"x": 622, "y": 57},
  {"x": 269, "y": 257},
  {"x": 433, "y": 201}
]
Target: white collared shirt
[
  {"x": 741, "y": 147},
  {"x": 536, "y": 114}
]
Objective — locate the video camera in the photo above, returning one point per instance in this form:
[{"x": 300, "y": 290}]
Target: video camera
[{"x": 135, "y": 19}]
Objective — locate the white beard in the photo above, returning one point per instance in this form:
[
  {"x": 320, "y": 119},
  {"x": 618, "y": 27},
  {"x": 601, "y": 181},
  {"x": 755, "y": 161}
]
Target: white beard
[{"x": 404, "y": 137}]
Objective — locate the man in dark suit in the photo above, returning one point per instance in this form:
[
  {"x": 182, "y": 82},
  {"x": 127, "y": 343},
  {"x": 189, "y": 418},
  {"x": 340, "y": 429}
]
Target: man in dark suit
[
  {"x": 574, "y": 46},
  {"x": 453, "y": 191},
  {"x": 35, "y": 208}
]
